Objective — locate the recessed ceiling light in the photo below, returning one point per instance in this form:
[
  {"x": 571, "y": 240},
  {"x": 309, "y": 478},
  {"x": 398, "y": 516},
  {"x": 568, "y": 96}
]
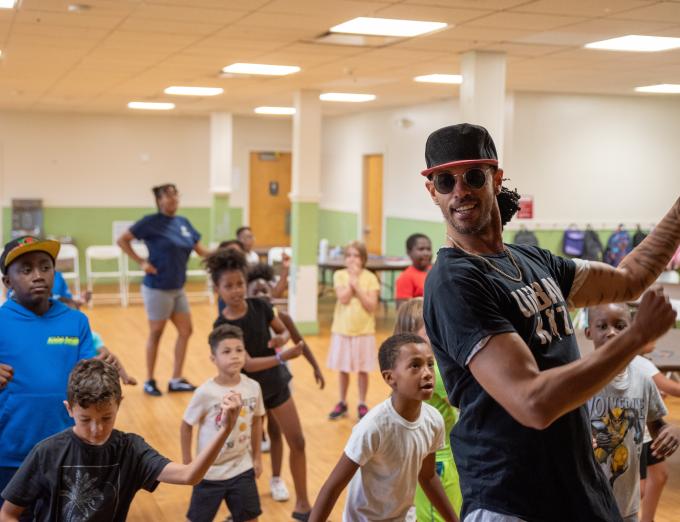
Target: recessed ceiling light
[
  {"x": 278, "y": 111},
  {"x": 151, "y": 106},
  {"x": 637, "y": 43},
  {"x": 662, "y": 88},
  {"x": 346, "y": 97},
  {"x": 440, "y": 78},
  {"x": 261, "y": 68},
  {"x": 193, "y": 91},
  {"x": 7, "y": 4},
  {"x": 387, "y": 27}
]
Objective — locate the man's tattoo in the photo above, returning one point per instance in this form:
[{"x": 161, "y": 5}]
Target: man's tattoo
[{"x": 650, "y": 258}]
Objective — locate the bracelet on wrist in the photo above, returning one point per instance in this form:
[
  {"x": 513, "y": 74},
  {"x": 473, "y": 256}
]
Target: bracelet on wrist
[{"x": 278, "y": 358}]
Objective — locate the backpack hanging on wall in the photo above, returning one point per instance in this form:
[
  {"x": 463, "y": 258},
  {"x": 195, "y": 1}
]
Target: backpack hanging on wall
[
  {"x": 572, "y": 242},
  {"x": 592, "y": 246},
  {"x": 525, "y": 237},
  {"x": 618, "y": 245},
  {"x": 638, "y": 237}
]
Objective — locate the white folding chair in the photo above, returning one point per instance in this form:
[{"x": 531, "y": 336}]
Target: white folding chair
[
  {"x": 105, "y": 254},
  {"x": 135, "y": 272},
  {"x": 275, "y": 254},
  {"x": 69, "y": 253},
  {"x": 200, "y": 272}
]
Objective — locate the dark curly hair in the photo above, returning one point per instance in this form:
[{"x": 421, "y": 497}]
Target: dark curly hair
[
  {"x": 227, "y": 260},
  {"x": 508, "y": 203},
  {"x": 389, "y": 349},
  {"x": 261, "y": 271}
]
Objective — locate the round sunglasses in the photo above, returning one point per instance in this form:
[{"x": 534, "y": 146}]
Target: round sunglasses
[{"x": 445, "y": 181}]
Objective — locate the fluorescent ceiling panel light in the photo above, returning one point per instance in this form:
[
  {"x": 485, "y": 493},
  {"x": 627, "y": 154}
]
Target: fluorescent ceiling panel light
[
  {"x": 346, "y": 97},
  {"x": 7, "y": 4},
  {"x": 261, "y": 68},
  {"x": 662, "y": 88},
  {"x": 637, "y": 43},
  {"x": 151, "y": 106},
  {"x": 278, "y": 111},
  {"x": 387, "y": 27},
  {"x": 194, "y": 91},
  {"x": 440, "y": 78}
]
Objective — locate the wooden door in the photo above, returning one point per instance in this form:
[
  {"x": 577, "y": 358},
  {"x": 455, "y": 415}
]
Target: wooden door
[
  {"x": 270, "y": 174},
  {"x": 373, "y": 203}
]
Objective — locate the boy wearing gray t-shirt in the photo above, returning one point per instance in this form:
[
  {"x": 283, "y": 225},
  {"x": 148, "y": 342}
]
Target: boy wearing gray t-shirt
[{"x": 619, "y": 413}]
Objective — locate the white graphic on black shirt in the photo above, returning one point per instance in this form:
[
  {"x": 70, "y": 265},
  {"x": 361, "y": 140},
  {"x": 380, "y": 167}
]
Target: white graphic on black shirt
[
  {"x": 541, "y": 300},
  {"x": 83, "y": 494}
]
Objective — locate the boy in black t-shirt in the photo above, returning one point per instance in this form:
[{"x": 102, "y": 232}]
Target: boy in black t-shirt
[{"x": 92, "y": 471}]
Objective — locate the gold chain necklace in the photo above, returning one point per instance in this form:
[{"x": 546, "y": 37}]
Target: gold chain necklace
[{"x": 517, "y": 279}]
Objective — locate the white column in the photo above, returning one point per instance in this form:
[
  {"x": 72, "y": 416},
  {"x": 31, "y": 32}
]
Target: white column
[
  {"x": 482, "y": 93},
  {"x": 304, "y": 197},
  {"x": 221, "y": 159},
  {"x": 221, "y": 151}
]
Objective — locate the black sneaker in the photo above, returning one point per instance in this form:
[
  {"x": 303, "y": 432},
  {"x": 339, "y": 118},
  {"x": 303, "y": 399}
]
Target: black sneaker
[
  {"x": 340, "y": 410},
  {"x": 181, "y": 385},
  {"x": 150, "y": 388}
]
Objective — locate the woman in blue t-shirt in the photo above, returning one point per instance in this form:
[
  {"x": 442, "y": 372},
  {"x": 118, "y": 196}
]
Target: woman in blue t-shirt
[{"x": 170, "y": 239}]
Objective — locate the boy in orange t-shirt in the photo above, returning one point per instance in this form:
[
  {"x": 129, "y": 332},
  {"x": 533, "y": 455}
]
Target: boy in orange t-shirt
[{"x": 411, "y": 282}]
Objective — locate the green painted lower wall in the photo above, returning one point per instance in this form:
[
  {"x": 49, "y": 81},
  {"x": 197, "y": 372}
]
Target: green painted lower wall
[
  {"x": 552, "y": 239},
  {"x": 308, "y": 327},
  {"x": 398, "y": 229},
  {"x": 305, "y": 232},
  {"x": 338, "y": 227},
  {"x": 94, "y": 225}
]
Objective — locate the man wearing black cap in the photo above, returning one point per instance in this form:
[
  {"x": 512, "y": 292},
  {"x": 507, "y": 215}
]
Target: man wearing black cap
[{"x": 498, "y": 321}]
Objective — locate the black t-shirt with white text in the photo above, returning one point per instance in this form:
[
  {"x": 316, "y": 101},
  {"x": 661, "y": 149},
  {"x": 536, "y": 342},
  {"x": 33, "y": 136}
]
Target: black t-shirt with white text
[
  {"x": 255, "y": 325},
  {"x": 545, "y": 475},
  {"x": 68, "y": 480}
]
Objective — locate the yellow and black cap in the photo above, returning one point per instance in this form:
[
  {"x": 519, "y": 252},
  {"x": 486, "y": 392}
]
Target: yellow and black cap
[{"x": 25, "y": 244}]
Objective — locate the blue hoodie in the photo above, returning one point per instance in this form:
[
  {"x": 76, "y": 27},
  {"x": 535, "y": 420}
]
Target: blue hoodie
[{"x": 42, "y": 349}]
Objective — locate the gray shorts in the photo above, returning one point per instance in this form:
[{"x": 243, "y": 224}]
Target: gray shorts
[{"x": 160, "y": 305}]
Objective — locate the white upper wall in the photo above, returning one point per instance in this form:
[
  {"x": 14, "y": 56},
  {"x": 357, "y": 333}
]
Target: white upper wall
[
  {"x": 113, "y": 161},
  {"x": 399, "y": 135},
  {"x": 583, "y": 158},
  {"x": 596, "y": 158},
  {"x": 96, "y": 160}
]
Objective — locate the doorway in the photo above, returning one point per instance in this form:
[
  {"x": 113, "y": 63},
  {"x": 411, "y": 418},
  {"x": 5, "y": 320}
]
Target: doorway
[
  {"x": 372, "y": 212},
  {"x": 270, "y": 181}
]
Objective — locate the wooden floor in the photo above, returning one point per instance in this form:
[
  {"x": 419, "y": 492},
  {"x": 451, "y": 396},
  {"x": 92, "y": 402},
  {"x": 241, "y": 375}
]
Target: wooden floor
[{"x": 158, "y": 419}]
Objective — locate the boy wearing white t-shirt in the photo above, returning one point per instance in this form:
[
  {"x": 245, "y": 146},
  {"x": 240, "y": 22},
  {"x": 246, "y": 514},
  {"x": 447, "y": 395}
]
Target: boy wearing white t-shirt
[
  {"x": 232, "y": 477},
  {"x": 393, "y": 447}
]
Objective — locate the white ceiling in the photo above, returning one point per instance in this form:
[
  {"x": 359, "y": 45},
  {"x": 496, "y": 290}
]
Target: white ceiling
[{"x": 122, "y": 50}]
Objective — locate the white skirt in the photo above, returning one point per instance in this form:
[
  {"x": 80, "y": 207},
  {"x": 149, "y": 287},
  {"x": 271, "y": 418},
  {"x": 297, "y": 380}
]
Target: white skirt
[{"x": 352, "y": 353}]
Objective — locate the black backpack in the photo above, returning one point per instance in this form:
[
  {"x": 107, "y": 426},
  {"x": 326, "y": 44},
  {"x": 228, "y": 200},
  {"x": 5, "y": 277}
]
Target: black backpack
[
  {"x": 592, "y": 246},
  {"x": 525, "y": 237}
]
